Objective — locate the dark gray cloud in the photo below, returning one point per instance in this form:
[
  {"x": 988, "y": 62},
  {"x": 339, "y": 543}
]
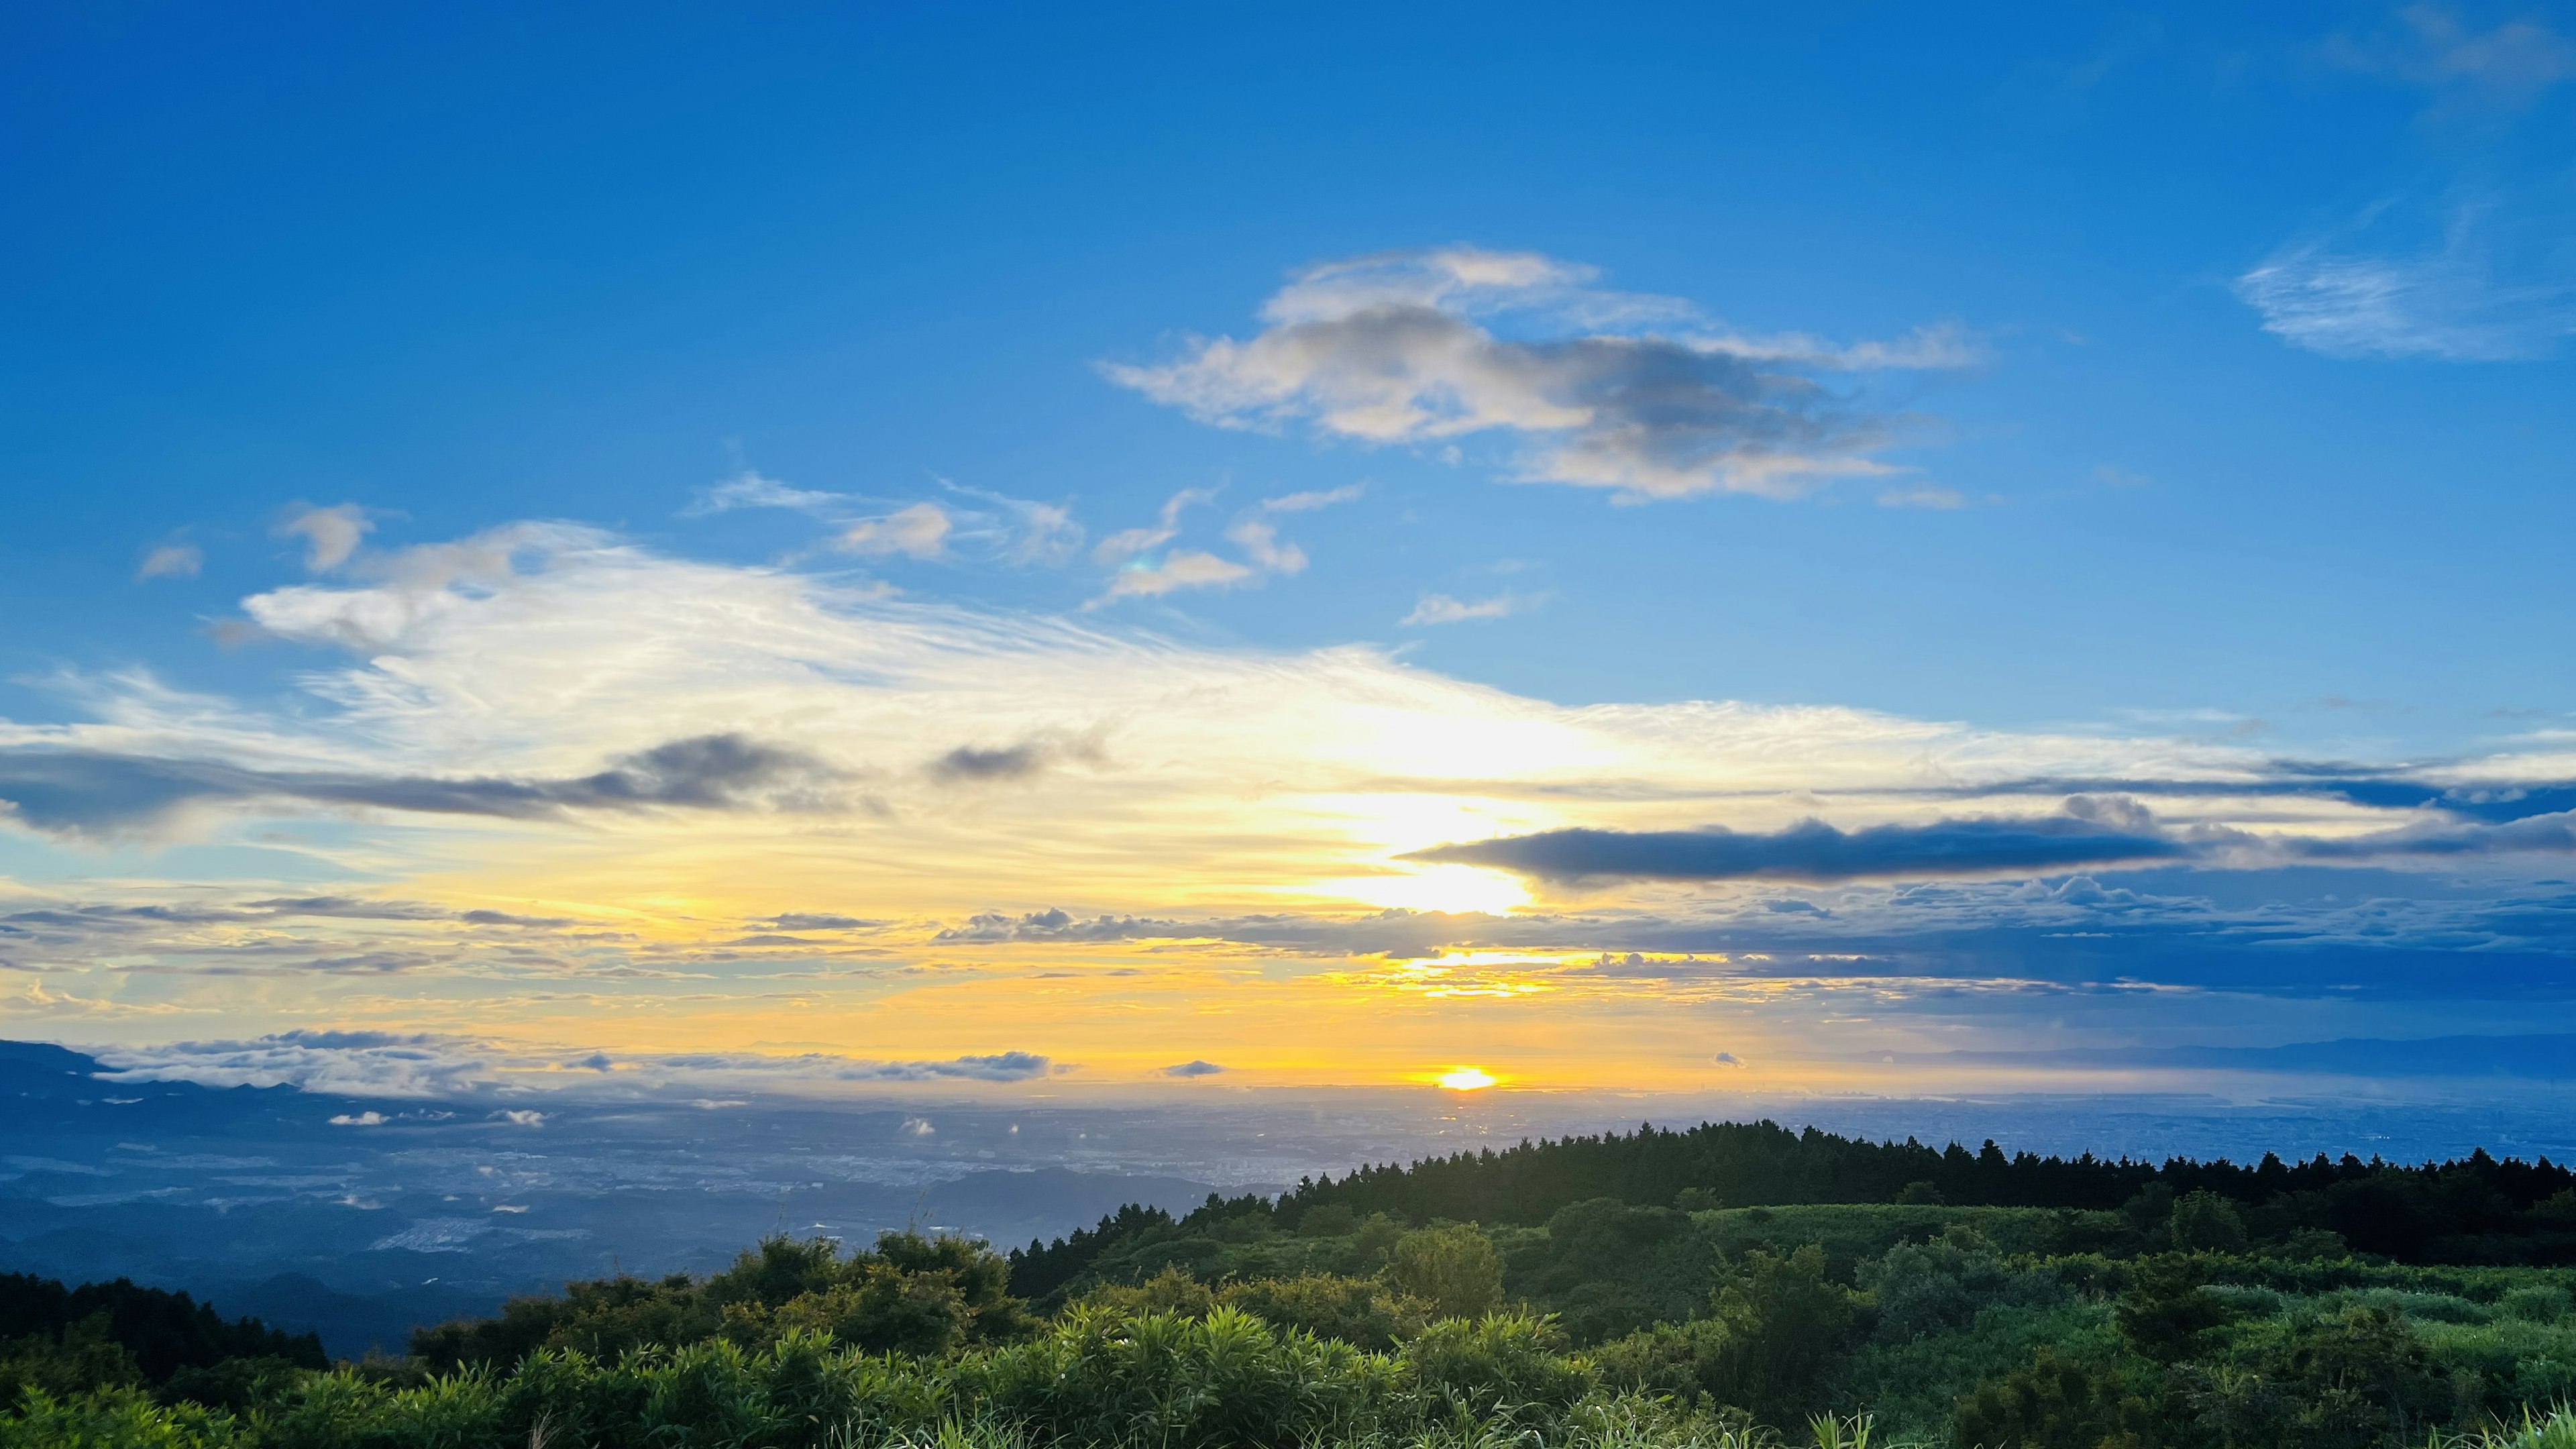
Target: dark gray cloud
[
  {"x": 2495, "y": 801},
  {"x": 1053, "y": 924},
  {"x": 1194, "y": 1069},
  {"x": 1611, "y": 391},
  {"x": 95, "y": 792},
  {"x": 995, "y": 1067},
  {"x": 978, "y": 764},
  {"x": 80, "y": 921},
  {"x": 1014, "y": 762},
  {"x": 814, "y": 921},
  {"x": 504, "y": 918},
  {"x": 1814, "y": 851},
  {"x": 350, "y": 908}
]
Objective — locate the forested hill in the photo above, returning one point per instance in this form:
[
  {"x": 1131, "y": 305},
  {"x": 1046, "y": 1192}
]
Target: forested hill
[
  {"x": 66, "y": 1339},
  {"x": 2475, "y": 1210}
]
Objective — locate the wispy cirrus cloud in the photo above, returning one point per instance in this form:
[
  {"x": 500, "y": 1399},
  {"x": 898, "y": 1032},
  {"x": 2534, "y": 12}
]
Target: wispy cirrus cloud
[
  {"x": 171, "y": 561},
  {"x": 1312, "y": 499},
  {"x": 919, "y": 530},
  {"x": 2510, "y": 64},
  {"x": 1443, "y": 609},
  {"x": 750, "y": 489},
  {"x": 2480, "y": 279},
  {"x": 1128, "y": 543},
  {"x": 988, "y": 525},
  {"x": 1265, "y": 555},
  {"x": 1639, "y": 394}
]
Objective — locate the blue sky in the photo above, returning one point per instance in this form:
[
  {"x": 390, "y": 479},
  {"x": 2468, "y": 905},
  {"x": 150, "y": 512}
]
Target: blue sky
[{"x": 2129, "y": 393}]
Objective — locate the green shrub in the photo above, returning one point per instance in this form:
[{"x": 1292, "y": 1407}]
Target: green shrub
[
  {"x": 1099, "y": 1377},
  {"x": 2537, "y": 1303},
  {"x": 1362, "y": 1312},
  {"x": 2058, "y": 1402},
  {"x": 916, "y": 1294},
  {"x": 1501, "y": 1363},
  {"x": 2205, "y": 1222},
  {"x": 1454, "y": 1269},
  {"x": 114, "y": 1419},
  {"x": 1786, "y": 1325}
]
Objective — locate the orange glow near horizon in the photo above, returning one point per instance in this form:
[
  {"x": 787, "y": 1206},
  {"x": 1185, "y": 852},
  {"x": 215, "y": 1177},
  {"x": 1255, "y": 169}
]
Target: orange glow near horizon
[{"x": 1467, "y": 1079}]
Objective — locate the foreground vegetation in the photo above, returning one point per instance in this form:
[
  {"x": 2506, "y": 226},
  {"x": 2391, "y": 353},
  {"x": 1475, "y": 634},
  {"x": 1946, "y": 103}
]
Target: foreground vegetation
[{"x": 2207, "y": 1305}]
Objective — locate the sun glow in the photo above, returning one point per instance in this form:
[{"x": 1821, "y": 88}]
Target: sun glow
[
  {"x": 1467, "y": 1079},
  {"x": 1460, "y": 888}
]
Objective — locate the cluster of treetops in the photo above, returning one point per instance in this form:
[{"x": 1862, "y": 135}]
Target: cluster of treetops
[
  {"x": 64, "y": 1341},
  {"x": 2475, "y": 1210}
]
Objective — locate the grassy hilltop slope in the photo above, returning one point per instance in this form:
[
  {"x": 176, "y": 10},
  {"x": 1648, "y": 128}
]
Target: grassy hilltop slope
[{"x": 1727, "y": 1286}]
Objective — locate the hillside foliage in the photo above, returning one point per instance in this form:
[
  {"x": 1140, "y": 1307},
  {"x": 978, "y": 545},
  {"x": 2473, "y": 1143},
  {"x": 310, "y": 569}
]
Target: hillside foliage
[{"x": 1728, "y": 1287}]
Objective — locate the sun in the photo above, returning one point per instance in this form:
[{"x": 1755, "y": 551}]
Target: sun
[{"x": 1467, "y": 1079}]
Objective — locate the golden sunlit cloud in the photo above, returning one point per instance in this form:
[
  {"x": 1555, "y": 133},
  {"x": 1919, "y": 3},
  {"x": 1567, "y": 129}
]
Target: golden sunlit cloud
[{"x": 563, "y": 790}]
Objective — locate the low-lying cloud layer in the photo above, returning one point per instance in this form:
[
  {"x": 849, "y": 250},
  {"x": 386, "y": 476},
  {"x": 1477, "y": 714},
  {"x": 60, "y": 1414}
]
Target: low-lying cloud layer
[{"x": 434, "y": 1065}]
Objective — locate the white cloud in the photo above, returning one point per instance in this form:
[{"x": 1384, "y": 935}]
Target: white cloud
[
  {"x": 330, "y": 535},
  {"x": 1127, "y": 543},
  {"x": 918, "y": 531},
  {"x": 2474, "y": 281},
  {"x": 1313, "y": 499},
  {"x": 1179, "y": 569},
  {"x": 1602, "y": 389},
  {"x": 412, "y": 586},
  {"x": 1023, "y": 532},
  {"x": 1442, "y": 609},
  {"x": 1922, "y": 497},
  {"x": 171, "y": 561},
  {"x": 748, "y": 489},
  {"x": 1260, "y": 543},
  {"x": 2511, "y": 65},
  {"x": 1264, "y": 553},
  {"x": 560, "y": 649}
]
